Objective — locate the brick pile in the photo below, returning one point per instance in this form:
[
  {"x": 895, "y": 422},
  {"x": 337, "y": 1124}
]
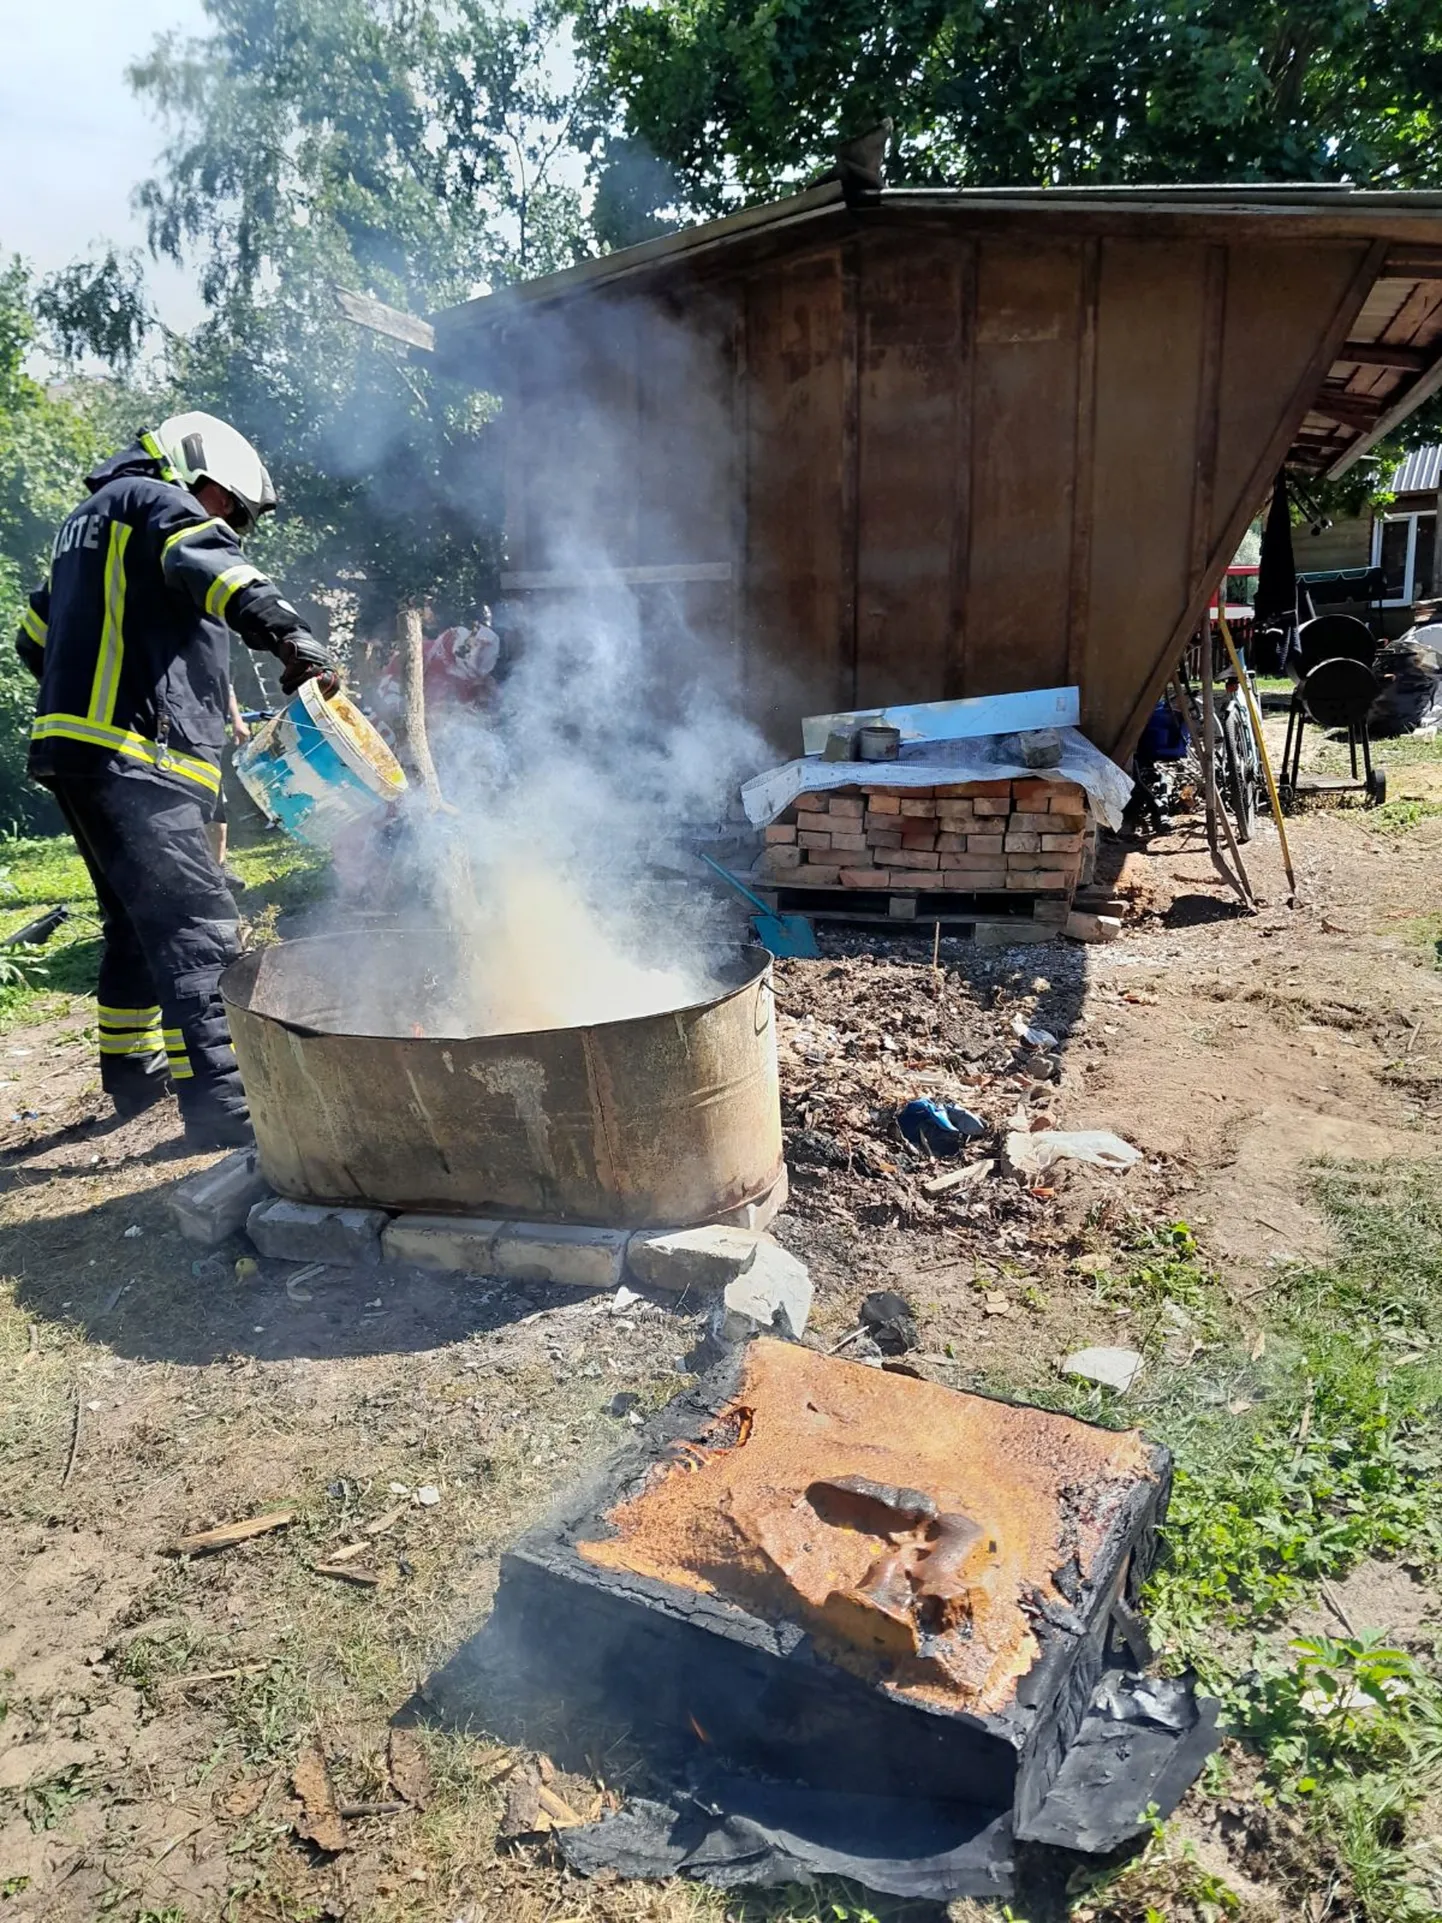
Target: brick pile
[{"x": 983, "y": 837}]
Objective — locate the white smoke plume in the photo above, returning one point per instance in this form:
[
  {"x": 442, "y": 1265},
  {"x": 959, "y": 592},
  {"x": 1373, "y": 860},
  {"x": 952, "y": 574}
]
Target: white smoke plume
[{"x": 616, "y": 741}]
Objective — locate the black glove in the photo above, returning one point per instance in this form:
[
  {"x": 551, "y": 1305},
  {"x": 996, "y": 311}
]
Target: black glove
[{"x": 302, "y": 659}]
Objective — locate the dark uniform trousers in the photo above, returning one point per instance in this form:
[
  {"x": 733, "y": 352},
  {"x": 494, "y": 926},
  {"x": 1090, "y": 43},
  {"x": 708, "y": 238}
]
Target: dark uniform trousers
[{"x": 170, "y": 926}]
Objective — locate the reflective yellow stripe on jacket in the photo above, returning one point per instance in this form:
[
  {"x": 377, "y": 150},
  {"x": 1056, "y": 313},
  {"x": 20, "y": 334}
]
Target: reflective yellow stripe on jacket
[
  {"x": 79, "y": 727},
  {"x": 32, "y": 624},
  {"x": 184, "y": 534},
  {"x": 225, "y": 586},
  {"x": 106, "y": 684}
]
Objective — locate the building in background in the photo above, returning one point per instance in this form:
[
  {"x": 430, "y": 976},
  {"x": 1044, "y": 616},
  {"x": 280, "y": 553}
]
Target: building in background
[{"x": 1399, "y": 540}]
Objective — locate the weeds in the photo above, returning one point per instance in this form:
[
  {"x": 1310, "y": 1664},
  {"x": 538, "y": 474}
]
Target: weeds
[
  {"x": 50, "y": 1799},
  {"x": 1293, "y": 1463},
  {"x": 1395, "y": 817},
  {"x": 1165, "y": 1884}
]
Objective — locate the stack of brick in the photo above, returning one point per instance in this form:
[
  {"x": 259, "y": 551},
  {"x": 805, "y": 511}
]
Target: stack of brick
[{"x": 981, "y": 837}]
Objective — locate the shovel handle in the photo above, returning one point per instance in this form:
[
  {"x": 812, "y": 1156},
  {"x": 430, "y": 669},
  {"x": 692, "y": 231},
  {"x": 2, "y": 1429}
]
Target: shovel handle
[{"x": 740, "y": 886}]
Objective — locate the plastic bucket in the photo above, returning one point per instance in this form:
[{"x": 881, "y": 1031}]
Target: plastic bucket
[{"x": 319, "y": 767}]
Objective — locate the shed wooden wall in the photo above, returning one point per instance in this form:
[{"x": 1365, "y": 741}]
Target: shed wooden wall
[{"x": 935, "y": 461}]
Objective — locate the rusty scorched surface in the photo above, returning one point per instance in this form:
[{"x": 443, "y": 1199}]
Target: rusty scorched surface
[{"x": 910, "y": 1527}]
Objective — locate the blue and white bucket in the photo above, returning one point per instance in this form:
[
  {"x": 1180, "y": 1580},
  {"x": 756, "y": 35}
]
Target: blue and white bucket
[{"x": 319, "y": 767}]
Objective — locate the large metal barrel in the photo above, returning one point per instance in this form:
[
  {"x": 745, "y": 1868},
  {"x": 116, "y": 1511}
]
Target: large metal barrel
[{"x": 659, "y": 1121}]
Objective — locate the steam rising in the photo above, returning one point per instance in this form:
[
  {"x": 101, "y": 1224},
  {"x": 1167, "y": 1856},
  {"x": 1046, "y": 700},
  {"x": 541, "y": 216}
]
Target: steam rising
[
  {"x": 617, "y": 736},
  {"x": 573, "y": 801}
]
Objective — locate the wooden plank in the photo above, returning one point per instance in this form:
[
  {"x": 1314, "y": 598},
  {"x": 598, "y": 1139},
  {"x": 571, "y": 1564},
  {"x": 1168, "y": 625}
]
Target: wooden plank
[
  {"x": 1350, "y": 410},
  {"x": 910, "y": 368},
  {"x": 1023, "y": 460},
  {"x": 390, "y": 321},
  {"x": 1385, "y": 354},
  {"x": 738, "y": 441},
  {"x": 684, "y": 474},
  {"x": 1410, "y": 399},
  {"x": 1079, "y": 582},
  {"x": 1149, "y": 347},
  {"x": 963, "y": 443},
  {"x": 1209, "y": 403},
  {"x": 1408, "y": 263},
  {"x": 794, "y": 552},
  {"x": 648, "y": 575},
  {"x": 849, "y": 457},
  {"x": 208, "y": 1541},
  {"x": 1353, "y": 272}
]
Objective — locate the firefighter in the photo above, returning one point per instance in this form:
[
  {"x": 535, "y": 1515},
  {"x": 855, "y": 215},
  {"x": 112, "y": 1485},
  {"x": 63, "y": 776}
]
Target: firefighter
[{"x": 128, "y": 639}]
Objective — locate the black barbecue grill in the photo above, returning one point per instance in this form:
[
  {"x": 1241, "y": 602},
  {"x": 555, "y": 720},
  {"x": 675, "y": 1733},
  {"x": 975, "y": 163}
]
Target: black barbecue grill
[{"x": 1335, "y": 688}]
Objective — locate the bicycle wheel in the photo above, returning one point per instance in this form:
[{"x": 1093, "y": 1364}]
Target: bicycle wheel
[{"x": 1238, "y": 782}]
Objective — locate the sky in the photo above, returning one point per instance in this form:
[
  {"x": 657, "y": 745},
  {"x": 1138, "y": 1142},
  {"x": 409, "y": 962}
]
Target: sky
[{"x": 74, "y": 140}]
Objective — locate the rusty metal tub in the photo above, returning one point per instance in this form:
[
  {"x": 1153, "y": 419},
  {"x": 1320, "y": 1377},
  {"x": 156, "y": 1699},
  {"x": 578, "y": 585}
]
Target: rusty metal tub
[{"x": 659, "y": 1121}]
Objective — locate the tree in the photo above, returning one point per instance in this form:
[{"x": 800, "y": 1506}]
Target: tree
[
  {"x": 410, "y": 150},
  {"x": 49, "y": 437},
  {"x": 737, "y": 98}
]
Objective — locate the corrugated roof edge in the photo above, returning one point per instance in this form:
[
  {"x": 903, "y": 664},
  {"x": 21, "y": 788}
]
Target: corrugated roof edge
[
  {"x": 1419, "y": 473},
  {"x": 828, "y": 200}
]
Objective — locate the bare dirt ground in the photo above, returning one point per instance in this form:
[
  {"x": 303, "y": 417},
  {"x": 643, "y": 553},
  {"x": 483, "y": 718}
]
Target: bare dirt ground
[{"x": 156, "y": 1705}]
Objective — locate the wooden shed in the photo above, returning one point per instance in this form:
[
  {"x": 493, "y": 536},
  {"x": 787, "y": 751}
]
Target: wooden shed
[{"x": 933, "y": 444}]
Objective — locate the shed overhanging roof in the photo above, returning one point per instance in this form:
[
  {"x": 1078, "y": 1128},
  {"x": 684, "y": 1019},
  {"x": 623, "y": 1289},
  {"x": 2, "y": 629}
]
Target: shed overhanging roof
[{"x": 1389, "y": 366}]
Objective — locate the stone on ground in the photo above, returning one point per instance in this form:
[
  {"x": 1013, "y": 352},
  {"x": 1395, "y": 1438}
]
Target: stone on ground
[
  {"x": 1092, "y": 928},
  {"x": 577, "y": 1257},
  {"x": 214, "y": 1204},
  {"x": 314, "y": 1232},
  {"x": 772, "y": 1296},
  {"x": 679, "y": 1259},
  {"x": 574, "y": 1256},
  {"x": 454, "y": 1244},
  {"x": 1108, "y": 1368}
]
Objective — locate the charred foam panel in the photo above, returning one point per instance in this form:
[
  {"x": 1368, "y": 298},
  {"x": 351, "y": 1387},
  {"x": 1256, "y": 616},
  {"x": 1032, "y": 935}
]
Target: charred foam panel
[{"x": 951, "y": 1555}]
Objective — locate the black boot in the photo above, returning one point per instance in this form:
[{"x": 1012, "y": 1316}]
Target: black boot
[{"x": 207, "y": 1127}]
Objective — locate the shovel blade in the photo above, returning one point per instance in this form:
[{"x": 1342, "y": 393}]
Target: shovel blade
[{"x": 791, "y": 936}]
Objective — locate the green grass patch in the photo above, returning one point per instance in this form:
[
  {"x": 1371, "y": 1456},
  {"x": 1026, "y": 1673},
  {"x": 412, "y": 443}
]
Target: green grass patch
[
  {"x": 38, "y": 983},
  {"x": 1395, "y": 817},
  {"x": 1297, "y": 1456}
]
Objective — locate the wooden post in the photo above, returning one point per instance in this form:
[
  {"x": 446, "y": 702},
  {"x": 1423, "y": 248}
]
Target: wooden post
[{"x": 410, "y": 637}]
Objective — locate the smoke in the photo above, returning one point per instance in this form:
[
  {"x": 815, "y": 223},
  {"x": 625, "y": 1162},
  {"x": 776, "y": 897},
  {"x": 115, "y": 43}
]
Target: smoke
[{"x": 563, "y": 878}]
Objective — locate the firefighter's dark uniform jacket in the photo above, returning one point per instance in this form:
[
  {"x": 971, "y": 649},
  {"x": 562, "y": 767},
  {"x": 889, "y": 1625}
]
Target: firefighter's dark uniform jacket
[
  {"x": 128, "y": 640},
  {"x": 128, "y": 635}
]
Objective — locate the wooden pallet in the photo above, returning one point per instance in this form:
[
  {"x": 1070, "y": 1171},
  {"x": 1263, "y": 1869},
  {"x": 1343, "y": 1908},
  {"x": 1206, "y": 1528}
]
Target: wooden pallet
[{"x": 1002, "y": 917}]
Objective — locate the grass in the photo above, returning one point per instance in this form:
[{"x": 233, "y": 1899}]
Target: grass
[
  {"x": 38, "y": 984},
  {"x": 1395, "y": 817},
  {"x": 1299, "y": 1455}
]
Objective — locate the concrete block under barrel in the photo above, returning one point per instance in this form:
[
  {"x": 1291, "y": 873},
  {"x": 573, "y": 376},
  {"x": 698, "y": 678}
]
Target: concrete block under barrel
[{"x": 659, "y": 1121}]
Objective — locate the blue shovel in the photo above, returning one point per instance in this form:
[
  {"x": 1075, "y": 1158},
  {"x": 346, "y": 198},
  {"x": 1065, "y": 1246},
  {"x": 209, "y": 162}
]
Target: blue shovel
[{"x": 785, "y": 935}]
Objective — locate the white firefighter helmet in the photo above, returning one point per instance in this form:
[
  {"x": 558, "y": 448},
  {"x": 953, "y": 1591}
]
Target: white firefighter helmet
[{"x": 201, "y": 448}]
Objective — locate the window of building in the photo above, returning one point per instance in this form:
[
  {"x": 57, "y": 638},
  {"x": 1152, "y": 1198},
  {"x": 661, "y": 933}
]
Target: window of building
[{"x": 1404, "y": 547}]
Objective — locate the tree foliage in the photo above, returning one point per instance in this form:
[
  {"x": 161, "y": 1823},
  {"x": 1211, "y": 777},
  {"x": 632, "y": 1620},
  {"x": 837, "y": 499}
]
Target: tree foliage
[
  {"x": 404, "y": 148},
  {"x": 736, "y": 98},
  {"x": 49, "y": 437}
]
